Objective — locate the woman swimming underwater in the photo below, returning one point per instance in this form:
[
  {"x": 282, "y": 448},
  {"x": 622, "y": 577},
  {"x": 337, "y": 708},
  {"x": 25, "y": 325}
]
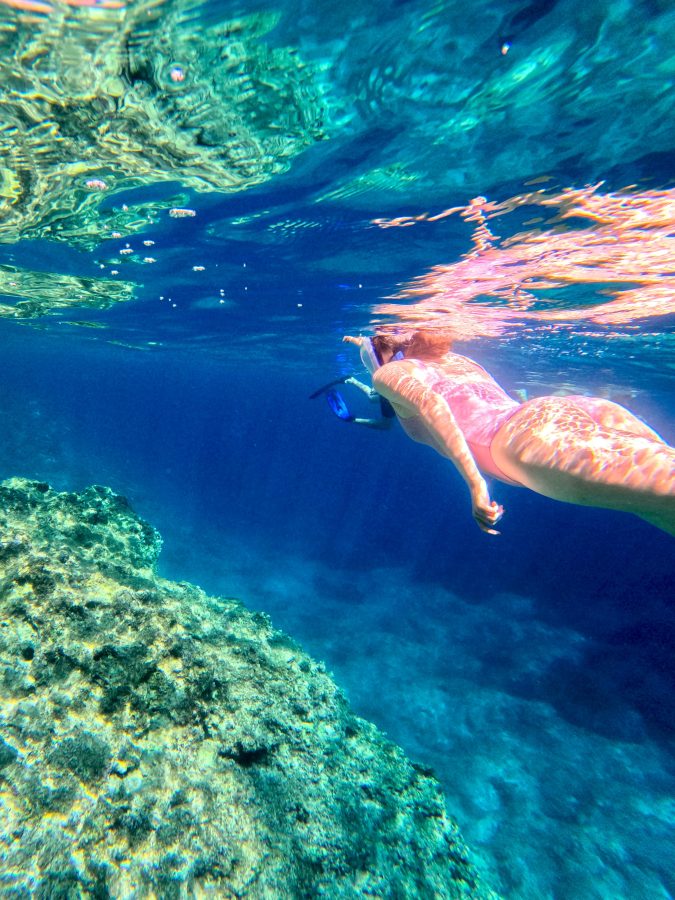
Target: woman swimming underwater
[{"x": 576, "y": 449}]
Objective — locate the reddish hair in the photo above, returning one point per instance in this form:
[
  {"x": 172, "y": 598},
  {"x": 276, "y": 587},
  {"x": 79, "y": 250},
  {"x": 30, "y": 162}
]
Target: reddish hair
[{"x": 420, "y": 345}]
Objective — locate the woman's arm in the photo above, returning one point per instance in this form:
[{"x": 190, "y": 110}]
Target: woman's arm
[
  {"x": 370, "y": 393},
  {"x": 411, "y": 397},
  {"x": 379, "y": 424}
]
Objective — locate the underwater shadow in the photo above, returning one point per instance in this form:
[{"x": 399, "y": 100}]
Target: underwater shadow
[{"x": 621, "y": 687}]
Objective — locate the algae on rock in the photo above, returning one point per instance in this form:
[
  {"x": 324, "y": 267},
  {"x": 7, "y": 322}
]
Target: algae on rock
[{"x": 155, "y": 741}]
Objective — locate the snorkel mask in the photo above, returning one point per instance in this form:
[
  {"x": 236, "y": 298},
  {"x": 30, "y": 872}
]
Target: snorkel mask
[{"x": 369, "y": 357}]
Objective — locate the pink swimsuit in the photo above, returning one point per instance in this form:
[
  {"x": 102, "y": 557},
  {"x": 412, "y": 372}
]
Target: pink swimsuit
[{"x": 480, "y": 409}]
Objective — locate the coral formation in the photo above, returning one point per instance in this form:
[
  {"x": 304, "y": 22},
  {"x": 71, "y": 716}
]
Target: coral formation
[{"x": 155, "y": 741}]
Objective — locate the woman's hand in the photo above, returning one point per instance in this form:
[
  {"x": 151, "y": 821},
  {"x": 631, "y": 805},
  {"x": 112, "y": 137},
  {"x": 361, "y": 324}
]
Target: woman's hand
[{"x": 487, "y": 515}]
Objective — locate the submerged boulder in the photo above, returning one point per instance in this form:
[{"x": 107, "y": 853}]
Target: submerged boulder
[{"x": 157, "y": 742}]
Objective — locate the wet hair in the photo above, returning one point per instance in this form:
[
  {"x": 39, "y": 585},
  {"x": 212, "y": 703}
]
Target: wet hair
[
  {"x": 419, "y": 345},
  {"x": 385, "y": 346}
]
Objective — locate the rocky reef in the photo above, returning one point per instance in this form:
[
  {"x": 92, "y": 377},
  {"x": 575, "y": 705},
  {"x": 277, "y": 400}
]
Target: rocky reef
[{"x": 157, "y": 742}]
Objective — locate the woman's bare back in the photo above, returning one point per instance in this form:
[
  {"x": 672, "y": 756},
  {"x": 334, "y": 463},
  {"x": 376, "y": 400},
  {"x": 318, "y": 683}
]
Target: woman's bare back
[{"x": 478, "y": 404}]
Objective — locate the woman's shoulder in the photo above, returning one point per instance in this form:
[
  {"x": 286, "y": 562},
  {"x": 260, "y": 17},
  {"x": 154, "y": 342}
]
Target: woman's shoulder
[
  {"x": 458, "y": 366},
  {"x": 450, "y": 365}
]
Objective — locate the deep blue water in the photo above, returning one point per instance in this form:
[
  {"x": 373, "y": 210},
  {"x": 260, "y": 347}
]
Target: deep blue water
[
  {"x": 533, "y": 671},
  {"x": 554, "y": 641}
]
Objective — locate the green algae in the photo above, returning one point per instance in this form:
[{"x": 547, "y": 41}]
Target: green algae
[{"x": 155, "y": 741}]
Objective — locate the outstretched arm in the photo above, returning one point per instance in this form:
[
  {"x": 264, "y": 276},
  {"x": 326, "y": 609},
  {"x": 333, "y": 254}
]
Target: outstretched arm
[{"x": 436, "y": 426}]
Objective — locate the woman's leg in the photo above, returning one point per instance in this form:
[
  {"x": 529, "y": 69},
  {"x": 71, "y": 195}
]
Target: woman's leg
[{"x": 562, "y": 450}]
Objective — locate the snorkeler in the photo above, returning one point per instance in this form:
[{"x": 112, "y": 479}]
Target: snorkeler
[{"x": 577, "y": 449}]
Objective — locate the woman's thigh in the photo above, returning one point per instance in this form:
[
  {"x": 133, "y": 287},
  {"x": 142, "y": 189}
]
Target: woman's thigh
[
  {"x": 613, "y": 415},
  {"x": 554, "y": 446}
]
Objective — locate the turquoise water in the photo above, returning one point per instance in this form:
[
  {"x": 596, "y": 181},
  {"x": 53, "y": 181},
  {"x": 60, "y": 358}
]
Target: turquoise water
[{"x": 279, "y": 175}]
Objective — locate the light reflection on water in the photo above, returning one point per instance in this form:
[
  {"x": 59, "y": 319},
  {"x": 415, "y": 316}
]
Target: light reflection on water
[{"x": 618, "y": 247}]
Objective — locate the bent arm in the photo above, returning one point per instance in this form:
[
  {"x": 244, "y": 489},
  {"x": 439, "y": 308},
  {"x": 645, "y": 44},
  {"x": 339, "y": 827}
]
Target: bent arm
[
  {"x": 411, "y": 397},
  {"x": 371, "y": 394}
]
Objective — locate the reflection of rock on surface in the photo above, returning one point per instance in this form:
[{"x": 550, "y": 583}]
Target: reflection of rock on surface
[
  {"x": 159, "y": 742},
  {"x": 40, "y": 292},
  {"x": 98, "y": 83}
]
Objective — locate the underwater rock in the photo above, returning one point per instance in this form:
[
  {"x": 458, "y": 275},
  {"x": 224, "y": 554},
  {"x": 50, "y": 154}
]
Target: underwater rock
[{"x": 157, "y": 742}]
